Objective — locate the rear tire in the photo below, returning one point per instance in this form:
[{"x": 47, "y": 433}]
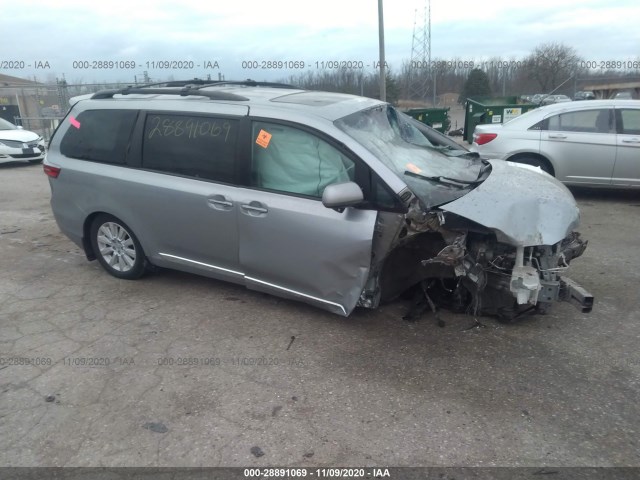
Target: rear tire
[
  {"x": 536, "y": 162},
  {"x": 117, "y": 248}
]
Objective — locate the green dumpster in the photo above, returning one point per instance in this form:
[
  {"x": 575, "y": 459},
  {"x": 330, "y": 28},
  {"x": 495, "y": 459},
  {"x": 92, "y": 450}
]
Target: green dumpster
[
  {"x": 482, "y": 110},
  {"x": 436, "y": 118}
]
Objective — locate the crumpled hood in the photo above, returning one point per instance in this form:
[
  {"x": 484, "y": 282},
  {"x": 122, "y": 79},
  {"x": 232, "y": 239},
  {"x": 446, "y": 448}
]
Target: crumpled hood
[
  {"x": 524, "y": 206},
  {"x": 18, "y": 135}
]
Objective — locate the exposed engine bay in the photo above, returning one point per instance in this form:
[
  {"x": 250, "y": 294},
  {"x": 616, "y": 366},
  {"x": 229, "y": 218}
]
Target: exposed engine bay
[{"x": 461, "y": 265}]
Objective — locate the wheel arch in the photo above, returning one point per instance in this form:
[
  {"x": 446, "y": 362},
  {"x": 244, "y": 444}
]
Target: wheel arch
[
  {"x": 518, "y": 157},
  {"x": 86, "y": 235}
]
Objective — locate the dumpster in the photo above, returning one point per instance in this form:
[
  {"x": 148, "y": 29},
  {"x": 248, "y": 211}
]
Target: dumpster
[
  {"x": 482, "y": 110},
  {"x": 436, "y": 118}
]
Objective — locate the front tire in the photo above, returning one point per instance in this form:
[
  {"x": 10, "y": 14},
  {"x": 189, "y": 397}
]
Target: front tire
[{"x": 117, "y": 248}]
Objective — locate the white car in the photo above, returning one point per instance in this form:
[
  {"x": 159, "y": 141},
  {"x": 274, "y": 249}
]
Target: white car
[
  {"x": 549, "y": 99},
  {"x": 17, "y": 144},
  {"x": 595, "y": 143}
]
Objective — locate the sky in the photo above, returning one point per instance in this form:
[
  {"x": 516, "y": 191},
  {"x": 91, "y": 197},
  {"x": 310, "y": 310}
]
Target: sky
[{"x": 50, "y": 39}]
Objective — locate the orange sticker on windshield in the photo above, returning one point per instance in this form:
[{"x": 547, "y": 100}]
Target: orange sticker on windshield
[
  {"x": 412, "y": 168},
  {"x": 263, "y": 139}
]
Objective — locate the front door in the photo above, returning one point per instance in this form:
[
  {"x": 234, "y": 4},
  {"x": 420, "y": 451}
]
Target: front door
[
  {"x": 583, "y": 143},
  {"x": 291, "y": 245}
]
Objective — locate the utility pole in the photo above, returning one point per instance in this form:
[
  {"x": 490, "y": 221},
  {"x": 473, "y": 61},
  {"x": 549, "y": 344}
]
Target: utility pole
[{"x": 383, "y": 75}]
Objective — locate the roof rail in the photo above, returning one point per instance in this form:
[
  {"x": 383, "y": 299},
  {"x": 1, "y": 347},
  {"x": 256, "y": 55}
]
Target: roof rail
[
  {"x": 252, "y": 83},
  {"x": 183, "y": 92},
  {"x": 189, "y": 87},
  {"x": 210, "y": 83}
]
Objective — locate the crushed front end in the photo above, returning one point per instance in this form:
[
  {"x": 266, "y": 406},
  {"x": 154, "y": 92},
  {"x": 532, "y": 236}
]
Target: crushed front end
[{"x": 467, "y": 269}]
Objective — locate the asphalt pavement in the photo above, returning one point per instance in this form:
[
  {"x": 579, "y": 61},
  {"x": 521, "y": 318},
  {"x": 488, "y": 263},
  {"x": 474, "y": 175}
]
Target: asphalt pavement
[{"x": 180, "y": 370}]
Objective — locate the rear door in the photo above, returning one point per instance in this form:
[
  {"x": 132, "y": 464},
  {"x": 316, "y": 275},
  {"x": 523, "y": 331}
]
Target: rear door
[
  {"x": 582, "y": 145},
  {"x": 187, "y": 200},
  {"x": 627, "y": 167},
  {"x": 291, "y": 245}
]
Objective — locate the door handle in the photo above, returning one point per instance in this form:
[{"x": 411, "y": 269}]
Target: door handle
[
  {"x": 631, "y": 140},
  {"x": 219, "y": 202},
  {"x": 223, "y": 203},
  {"x": 557, "y": 135},
  {"x": 254, "y": 208}
]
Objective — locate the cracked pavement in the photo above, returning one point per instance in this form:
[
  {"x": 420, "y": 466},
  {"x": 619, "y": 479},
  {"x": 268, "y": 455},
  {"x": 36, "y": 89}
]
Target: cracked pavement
[{"x": 180, "y": 370}]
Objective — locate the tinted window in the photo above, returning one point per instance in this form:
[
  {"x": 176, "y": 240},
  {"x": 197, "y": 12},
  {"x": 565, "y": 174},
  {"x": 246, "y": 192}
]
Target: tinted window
[
  {"x": 289, "y": 160},
  {"x": 630, "y": 122},
  {"x": 195, "y": 146},
  {"x": 590, "y": 121},
  {"x": 99, "y": 135}
]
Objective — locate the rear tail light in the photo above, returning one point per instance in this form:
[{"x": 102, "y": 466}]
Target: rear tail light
[
  {"x": 482, "y": 138},
  {"x": 51, "y": 171}
]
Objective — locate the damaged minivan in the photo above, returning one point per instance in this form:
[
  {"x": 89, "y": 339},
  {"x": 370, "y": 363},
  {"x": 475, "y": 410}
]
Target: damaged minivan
[{"x": 331, "y": 199}]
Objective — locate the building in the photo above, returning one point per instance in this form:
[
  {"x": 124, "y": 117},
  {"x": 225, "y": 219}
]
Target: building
[{"x": 36, "y": 106}]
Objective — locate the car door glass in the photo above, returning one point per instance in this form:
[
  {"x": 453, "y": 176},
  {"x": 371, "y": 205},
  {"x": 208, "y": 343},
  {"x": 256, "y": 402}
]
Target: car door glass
[
  {"x": 202, "y": 147},
  {"x": 587, "y": 121},
  {"x": 630, "y": 121},
  {"x": 290, "y": 160},
  {"x": 99, "y": 136}
]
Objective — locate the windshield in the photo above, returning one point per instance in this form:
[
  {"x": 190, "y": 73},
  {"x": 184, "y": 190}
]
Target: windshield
[
  {"x": 436, "y": 174},
  {"x": 4, "y": 125}
]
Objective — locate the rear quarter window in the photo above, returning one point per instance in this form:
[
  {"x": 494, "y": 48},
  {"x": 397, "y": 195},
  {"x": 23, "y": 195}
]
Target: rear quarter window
[{"x": 99, "y": 135}]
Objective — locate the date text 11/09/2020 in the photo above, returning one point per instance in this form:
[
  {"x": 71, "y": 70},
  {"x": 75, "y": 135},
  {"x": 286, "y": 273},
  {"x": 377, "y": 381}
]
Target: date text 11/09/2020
[{"x": 302, "y": 472}]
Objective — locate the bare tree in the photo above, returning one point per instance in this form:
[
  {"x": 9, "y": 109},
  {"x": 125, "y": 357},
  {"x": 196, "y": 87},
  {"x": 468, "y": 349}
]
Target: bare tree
[{"x": 551, "y": 64}]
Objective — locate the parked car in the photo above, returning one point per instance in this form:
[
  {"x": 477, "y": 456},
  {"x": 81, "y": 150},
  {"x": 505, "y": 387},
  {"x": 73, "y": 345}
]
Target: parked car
[
  {"x": 549, "y": 99},
  {"x": 19, "y": 145},
  {"x": 582, "y": 95},
  {"x": 330, "y": 199},
  {"x": 594, "y": 143},
  {"x": 623, "y": 96},
  {"x": 538, "y": 97}
]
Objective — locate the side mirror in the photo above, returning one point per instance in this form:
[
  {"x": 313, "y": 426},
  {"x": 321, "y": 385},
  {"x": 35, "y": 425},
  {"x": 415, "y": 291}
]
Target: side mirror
[{"x": 341, "y": 195}]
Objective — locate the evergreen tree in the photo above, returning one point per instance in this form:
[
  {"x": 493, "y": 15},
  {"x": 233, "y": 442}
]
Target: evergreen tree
[{"x": 477, "y": 84}]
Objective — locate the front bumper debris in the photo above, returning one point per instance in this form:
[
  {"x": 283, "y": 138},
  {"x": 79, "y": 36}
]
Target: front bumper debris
[{"x": 573, "y": 293}]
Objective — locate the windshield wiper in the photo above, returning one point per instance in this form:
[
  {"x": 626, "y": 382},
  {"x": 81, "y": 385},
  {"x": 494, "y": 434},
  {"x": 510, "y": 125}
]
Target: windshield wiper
[{"x": 455, "y": 182}]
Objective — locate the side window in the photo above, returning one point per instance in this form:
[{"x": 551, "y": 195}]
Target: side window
[
  {"x": 194, "y": 146},
  {"x": 541, "y": 125},
  {"x": 290, "y": 160},
  {"x": 381, "y": 196},
  {"x": 99, "y": 136},
  {"x": 588, "y": 121},
  {"x": 630, "y": 121}
]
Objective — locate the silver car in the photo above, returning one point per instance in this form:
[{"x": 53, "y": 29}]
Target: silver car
[
  {"x": 334, "y": 200},
  {"x": 595, "y": 143},
  {"x": 549, "y": 99}
]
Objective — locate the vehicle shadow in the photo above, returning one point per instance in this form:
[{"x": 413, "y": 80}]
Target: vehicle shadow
[
  {"x": 19, "y": 164},
  {"x": 605, "y": 194}
]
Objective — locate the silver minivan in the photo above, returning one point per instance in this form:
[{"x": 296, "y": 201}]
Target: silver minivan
[{"x": 331, "y": 199}]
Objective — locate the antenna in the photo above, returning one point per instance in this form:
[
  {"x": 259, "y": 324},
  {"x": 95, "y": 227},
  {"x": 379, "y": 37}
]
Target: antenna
[{"x": 420, "y": 65}]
